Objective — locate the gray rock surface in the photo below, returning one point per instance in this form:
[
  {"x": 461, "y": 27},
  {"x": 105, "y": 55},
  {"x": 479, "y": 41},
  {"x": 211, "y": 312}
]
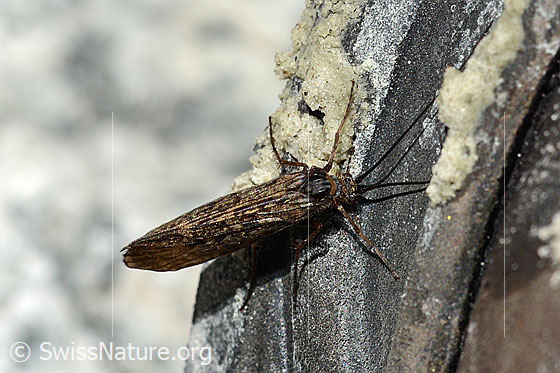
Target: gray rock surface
[{"x": 352, "y": 316}]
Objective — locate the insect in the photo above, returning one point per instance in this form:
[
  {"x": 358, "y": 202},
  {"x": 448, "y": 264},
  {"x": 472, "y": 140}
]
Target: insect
[{"x": 242, "y": 219}]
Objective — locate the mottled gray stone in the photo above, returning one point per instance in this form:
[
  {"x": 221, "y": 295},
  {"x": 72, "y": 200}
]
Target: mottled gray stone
[{"x": 352, "y": 315}]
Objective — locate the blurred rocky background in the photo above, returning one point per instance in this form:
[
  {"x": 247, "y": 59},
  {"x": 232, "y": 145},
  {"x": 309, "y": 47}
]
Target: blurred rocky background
[{"x": 188, "y": 85}]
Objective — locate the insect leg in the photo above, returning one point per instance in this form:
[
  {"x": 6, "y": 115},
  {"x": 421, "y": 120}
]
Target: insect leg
[
  {"x": 328, "y": 167},
  {"x": 312, "y": 235},
  {"x": 282, "y": 162},
  {"x": 252, "y": 281},
  {"x": 359, "y": 232}
]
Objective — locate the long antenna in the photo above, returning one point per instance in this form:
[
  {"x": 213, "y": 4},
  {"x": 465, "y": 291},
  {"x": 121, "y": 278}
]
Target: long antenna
[
  {"x": 361, "y": 177},
  {"x": 366, "y": 188},
  {"x": 365, "y": 200}
]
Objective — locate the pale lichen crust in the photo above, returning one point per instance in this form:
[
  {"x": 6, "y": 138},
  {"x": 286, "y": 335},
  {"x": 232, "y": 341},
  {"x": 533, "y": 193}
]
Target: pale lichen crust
[
  {"x": 465, "y": 95},
  {"x": 317, "y": 60}
]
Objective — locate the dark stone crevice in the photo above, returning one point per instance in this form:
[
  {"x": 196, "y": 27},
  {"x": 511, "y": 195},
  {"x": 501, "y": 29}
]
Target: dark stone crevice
[{"x": 524, "y": 139}]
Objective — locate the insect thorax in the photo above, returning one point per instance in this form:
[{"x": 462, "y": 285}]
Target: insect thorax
[
  {"x": 322, "y": 186},
  {"x": 347, "y": 188}
]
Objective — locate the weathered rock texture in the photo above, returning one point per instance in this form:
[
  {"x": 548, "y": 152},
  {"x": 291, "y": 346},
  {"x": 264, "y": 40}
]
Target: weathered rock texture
[{"x": 351, "y": 314}]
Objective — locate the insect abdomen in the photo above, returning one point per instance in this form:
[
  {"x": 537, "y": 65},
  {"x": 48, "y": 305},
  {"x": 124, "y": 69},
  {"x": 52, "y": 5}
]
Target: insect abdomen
[{"x": 224, "y": 225}]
